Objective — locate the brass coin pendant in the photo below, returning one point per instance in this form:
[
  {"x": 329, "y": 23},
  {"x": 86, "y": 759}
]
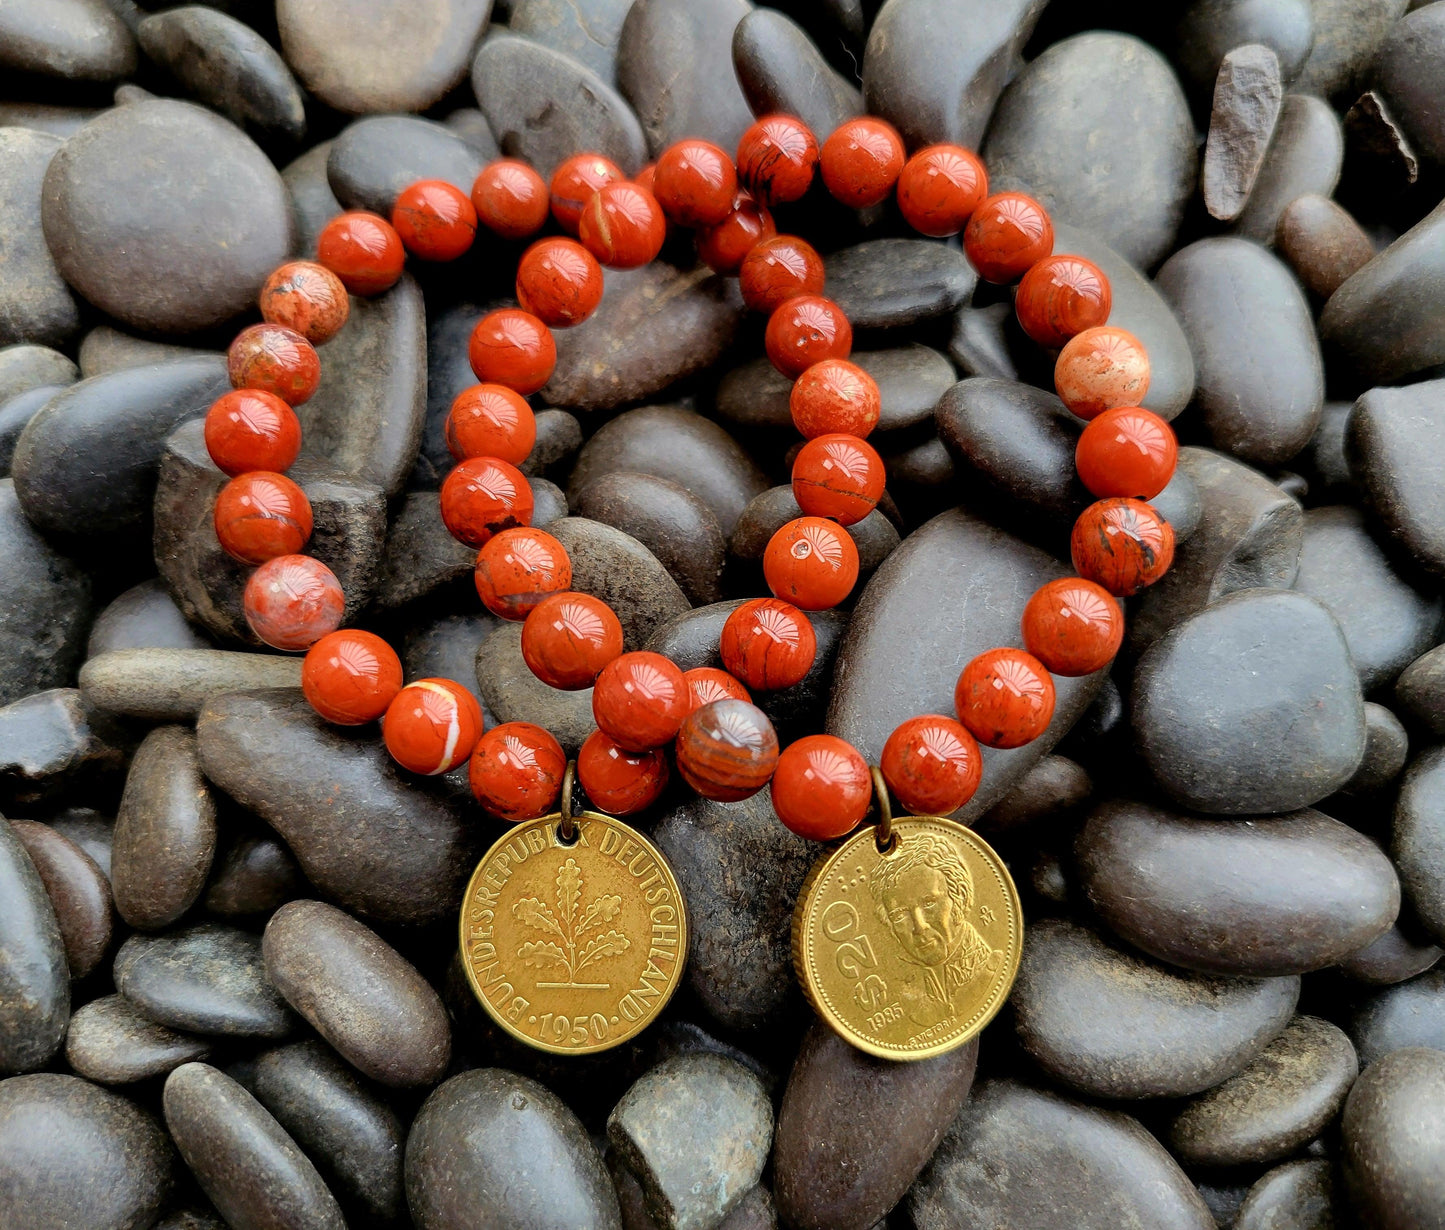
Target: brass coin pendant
[
  {"x": 573, "y": 948},
  {"x": 910, "y": 953}
]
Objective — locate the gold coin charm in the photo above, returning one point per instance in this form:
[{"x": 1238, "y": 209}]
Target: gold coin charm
[
  {"x": 910, "y": 952},
  {"x": 573, "y": 948}
]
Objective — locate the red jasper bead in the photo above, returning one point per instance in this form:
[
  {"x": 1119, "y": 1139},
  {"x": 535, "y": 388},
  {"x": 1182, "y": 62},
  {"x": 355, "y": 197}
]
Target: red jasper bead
[
  {"x": 292, "y": 601},
  {"x": 776, "y": 269},
  {"x": 695, "y": 183},
  {"x": 1005, "y": 697},
  {"x": 932, "y": 764},
  {"x": 363, "y": 250},
  {"x": 768, "y": 643},
  {"x": 568, "y": 638},
  {"x": 724, "y": 247},
  {"x": 811, "y": 562},
  {"x": 622, "y": 225},
  {"x": 511, "y": 199},
  {"x": 559, "y": 282},
  {"x": 513, "y": 348},
  {"x": 617, "y": 781},
  {"x": 861, "y": 161},
  {"x": 821, "y": 787},
  {"x": 835, "y": 396},
  {"x": 516, "y": 771},
  {"x": 306, "y": 297},
  {"x": 1060, "y": 296},
  {"x": 1101, "y": 368},
  {"x": 1073, "y": 626},
  {"x": 707, "y": 684},
  {"x": 431, "y": 726},
  {"x": 805, "y": 330},
  {"x": 639, "y": 700},
  {"x": 518, "y": 568},
  {"x": 491, "y": 420},
  {"x": 838, "y": 476},
  {"x": 1122, "y": 544},
  {"x": 1006, "y": 235},
  {"x": 483, "y": 496},
  {"x": 727, "y": 750},
  {"x": 350, "y": 677},
  {"x": 248, "y": 429},
  {"x": 261, "y": 515},
  {"x": 435, "y": 220},
  {"x": 274, "y": 359},
  {"x": 1127, "y": 451},
  {"x": 940, "y": 187},
  {"x": 777, "y": 158},
  {"x": 573, "y": 183}
]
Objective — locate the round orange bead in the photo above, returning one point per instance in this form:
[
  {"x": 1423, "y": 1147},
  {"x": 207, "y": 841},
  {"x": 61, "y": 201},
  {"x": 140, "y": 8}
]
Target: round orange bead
[
  {"x": 724, "y": 247},
  {"x": 350, "y": 677},
  {"x": 431, "y": 726},
  {"x": 261, "y": 515},
  {"x": 363, "y": 250},
  {"x": 559, "y": 282},
  {"x": 939, "y": 188},
  {"x": 435, "y": 220},
  {"x": 292, "y": 601},
  {"x": 516, "y": 771},
  {"x": 248, "y": 429},
  {"x": 513, "y": 348},
  {"x": 695, "y": 183},
  {"x": 573, "y": 183},
  {"x": 1122, "y": 544},
  {"x": 483, "y": 496},
  {"x": 510, "y": 199},
  {"x": 274, "y": 359},
  {"x": 568, "y": 638},
  {"x": 617, "y": 781},
  {"x": 776, "y": 269},
  {"x": 835, "y": 396},
  {"x": 1005, "y": 697},
  {"x": 1127, "y": 451},
  {"x": 491, "y": 420},
  {"x": 1101, "y": 368},
  {"x": 804, "y": 330},
  {"x": 727, "y": 750},
  {"x": 707, "y": 684},
  {"x": 517, "y": 568},
  {"x": 306, "y": 297},
  {"x": 821, "y": 787},
  {"x": 932, "y": 764},
  {"x": 1006, "y": 235},
  {"x": 622, "y": 225},
  {"x": 838, "y": 476},
  {"x": 811, "y": 562},
  {"x": 1073, "y": 626},
  {"x": 768, "y": 643},
  {"x": 862, "y": 160},
  {"x": 639, "y": 700},
  {"x": 777, "y": 158},
  {"x": 1061, "y": 296}
]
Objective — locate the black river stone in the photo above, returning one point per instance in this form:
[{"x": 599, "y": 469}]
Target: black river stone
[
  {"x": 1393, "y": 1132},
  {"x": 1418, "y": 841},
  {"x": 1299, "y": 1195},
  {"x": 34, "y": 978},
  {"x": 1410, "y": 73},
  {"x": 587, "y": 30},
  {"x": 780, "y": 69},
  {"x": 374, "y": 158},
  {"x": 1207, "y": 29},
  {"x": 83, "y": 40},
  {"x": 35, "y": 303},
  {"x": 78, "y": 890},
  {"x": 110, "y": 1042},
  {"x": 142, "y": 617},
  {"x": 1410, "y": 1013},
  {"x": 1420, "y": 690},
  {"x": 888, "y": 283}
]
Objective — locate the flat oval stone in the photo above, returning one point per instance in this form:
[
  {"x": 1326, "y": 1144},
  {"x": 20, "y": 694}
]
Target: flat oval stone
[
  {"x": 165, "y": 216},
  {"x": 1322, "y": 243},
  {"x": 1392, "y": 1132},
  {"x": 253, "y": 875},
  {"x": 586, "y": 30},
  {"x": 888, "y": 283},
  {"x": 511, "y": 692},
  {"x": 313, "y": 204},
  {"x": 34, "y": 979},
  {"x": 780, "y": 69},
  {"x": 25, "y": 366},
  {"x": 78, "y": 890},
  {"x": 1393, "y": 958},
  {"x": 1348, "y": 35},
  {"x": 1304, "y": 157},
  {"x": 1410, "y": 1013},
  {"x": 142, "y": 617},
  {"x": 1417, "y": 843},
  {"x": 1411, "y": 61},
  {"x": 1247, "y": 97},
  {"x": 1020, "y": 1156},
  {"x": 78, "y": 39},
  {"x": 254, "y": 1173},
  {"x": 170, "y": 685},
  {"x": 110, "y": 1042},
  {"x": 1114, "y": 1025},
  {"x": 72, "y": 1154},
  {"x": 35, "y": 303},
  {"x": 1296, "y": 1196},
  {"x": 374, "y": 158},
  {"x": 491, "y": 1141},
  {"x": 105, "y": 349}
]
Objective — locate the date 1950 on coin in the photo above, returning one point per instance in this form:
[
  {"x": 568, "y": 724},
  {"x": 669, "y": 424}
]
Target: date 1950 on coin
[{"x": 573, "y": 948}]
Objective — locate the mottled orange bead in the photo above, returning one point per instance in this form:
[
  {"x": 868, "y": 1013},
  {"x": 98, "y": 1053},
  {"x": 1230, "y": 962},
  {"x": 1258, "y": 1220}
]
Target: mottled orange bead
[
  {"x": 724, "y": 247},
  {"x": 511, "y": 199},
  {"x": 350, "y": 677},
  {"x": 707, "y": 684},
  {"x": 435, "y": 220},
  {"x": 861, "y": 161},
  {"x": 838, "y": 476},
  {"x": 811, "y": 562},
  {"x": 568, "y": 638},
  {"x": 491, "y": 420},
  {"x": 274, "y": 359},
  {"x": 516, "y": 771},
  {"x": 483, "y": 496},
  {"x": 639, "y": 700},
  {"x": 932, "y": 764},
  {"x": 776, "y": 269},
  {"x": 768, "y": 643},
  {"x": 513, "y": 348},
  {"x": 573, "y": 183},
  {"x": 261, "y": 515},
  {"x": 804, "y": 330},
  {"x": 777, "y": 158},
  {"x": 292, "y": 601},
  {"x": 835, "y": 396},
  {"x": 1122, "y": 544},
  {"x": 727, "y": 750},
  {"x": 1006, "y": 235},
  {"x": 431, "y": 726},
  {"x": 1127, "y": 451},
  {"x": 363, "y": 250},
  {"x": 1061, "y": 296},
  {"x": 939, "y": 188},
  {"x": 1073, "y": 626},
  {"x": 248, "y": 429},
  {"x": 821, "y": 787},
  {"x": 622, "y": 225},
  {"x": 1101, "y": 368},
  {"x": 517, "y": 568},
  {"x": 695, "y": 183},
  {"x": 619, "y": 782},
  {"x": 306, "y": 297},
  {"x": 559, "y": 282},
  {"x": 1005, "y": 697}
]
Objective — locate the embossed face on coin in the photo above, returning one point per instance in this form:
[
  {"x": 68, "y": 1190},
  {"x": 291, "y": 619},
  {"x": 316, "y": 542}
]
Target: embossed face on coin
[{"x": 573, "y": 948}]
